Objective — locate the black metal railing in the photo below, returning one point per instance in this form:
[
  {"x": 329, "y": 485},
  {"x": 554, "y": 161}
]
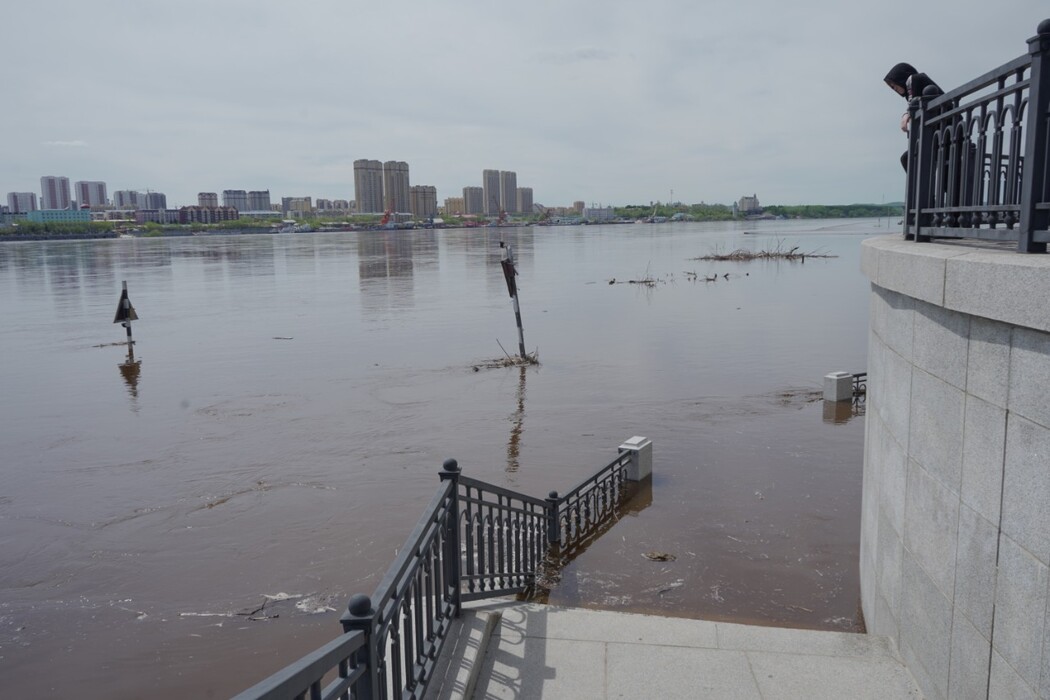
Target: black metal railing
[
  {"x": 860, "y": 384},
  {"x": 503, "y": 539},
  {"x": 305, "y": 677},
  {"x": 578, "y": 515},
  {"x": 977, "y": 155},
  {"x": 474, "y": 541}
]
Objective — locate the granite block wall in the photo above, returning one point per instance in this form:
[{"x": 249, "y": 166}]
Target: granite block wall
[{"x": 955, "y": 536}]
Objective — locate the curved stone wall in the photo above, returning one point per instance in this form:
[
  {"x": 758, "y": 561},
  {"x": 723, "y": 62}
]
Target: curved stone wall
[{"x": 955, "y": 536}]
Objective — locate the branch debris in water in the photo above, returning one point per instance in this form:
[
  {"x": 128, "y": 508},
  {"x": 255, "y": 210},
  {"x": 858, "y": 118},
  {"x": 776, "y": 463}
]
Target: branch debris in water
[
  {"x": 778, "y": 253},
  {"x": 532, "y": 358}
]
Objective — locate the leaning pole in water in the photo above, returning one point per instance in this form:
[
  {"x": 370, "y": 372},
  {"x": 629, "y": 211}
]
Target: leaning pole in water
[
  {"x": 125, "y": 315},
  {"x": 507, "y": 261}
]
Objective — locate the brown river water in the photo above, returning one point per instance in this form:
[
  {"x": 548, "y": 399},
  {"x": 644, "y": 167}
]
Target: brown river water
[{"x": 292, "y": 398}]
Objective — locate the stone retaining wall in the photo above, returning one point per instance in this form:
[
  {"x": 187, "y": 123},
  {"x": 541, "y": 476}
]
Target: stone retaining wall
[{"x": 955, "y": 536}]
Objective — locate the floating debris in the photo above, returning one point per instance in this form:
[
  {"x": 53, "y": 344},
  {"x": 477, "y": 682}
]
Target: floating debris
[
  {"x": 659, "y": 556},
  {"x": 532, "y": 358},
  {"x": 778, "y": 253}
]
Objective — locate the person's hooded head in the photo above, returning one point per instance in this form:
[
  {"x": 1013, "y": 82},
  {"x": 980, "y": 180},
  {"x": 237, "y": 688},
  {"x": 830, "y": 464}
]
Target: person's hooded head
[
  {"x": 898, "y": 77},
  {"x": 908, "y": 82}
]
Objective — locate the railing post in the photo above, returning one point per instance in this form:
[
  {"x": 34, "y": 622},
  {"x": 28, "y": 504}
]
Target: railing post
[
  {"x": 553, "y": 526},
  {"x": 911, "y": 174},
  {"x": 924, "y": 169},
  {"x": 1033, "y": 175},
  {"x": 641, "y": 449},
  {"x": 361, "y": 617},
  {"x": 450, "y": 472}
]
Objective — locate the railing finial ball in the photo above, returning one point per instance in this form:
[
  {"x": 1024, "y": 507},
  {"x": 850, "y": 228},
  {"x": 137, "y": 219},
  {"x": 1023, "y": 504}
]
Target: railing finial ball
[
  {"x": 450, "y": 465},
  {"x": 360, "y": 605},
  {"x": 1044, "y": 27},
  {"x": 552, "y": 494}
]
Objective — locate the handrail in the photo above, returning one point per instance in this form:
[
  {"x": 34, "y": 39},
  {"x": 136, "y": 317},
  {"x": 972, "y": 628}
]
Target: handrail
[
  {"x": 978, "y": 159},
  {"x": 474, "y": 540},
  {"x": 307, "y": 674}
]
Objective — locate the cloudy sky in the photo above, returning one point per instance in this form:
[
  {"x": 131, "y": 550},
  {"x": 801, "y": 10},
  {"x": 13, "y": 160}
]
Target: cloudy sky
[{"x": 604, "y": 101}]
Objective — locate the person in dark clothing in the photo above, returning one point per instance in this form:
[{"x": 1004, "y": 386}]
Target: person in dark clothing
[{"x": 909, "y": 83}]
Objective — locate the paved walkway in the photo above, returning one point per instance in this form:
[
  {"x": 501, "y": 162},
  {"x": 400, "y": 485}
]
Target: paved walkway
[{"x": 538, "y": 651}]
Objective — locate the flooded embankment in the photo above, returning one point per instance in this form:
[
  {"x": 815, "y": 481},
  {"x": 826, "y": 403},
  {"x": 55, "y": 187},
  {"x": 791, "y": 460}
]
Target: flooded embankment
[{"x": 184, "y": 522}]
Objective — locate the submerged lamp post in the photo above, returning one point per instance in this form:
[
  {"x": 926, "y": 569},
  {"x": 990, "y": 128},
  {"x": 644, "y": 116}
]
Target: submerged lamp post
[{"x": 507, "y": 262}]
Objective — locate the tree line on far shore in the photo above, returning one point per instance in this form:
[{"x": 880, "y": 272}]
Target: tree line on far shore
[
  {"x": 695, "y": 212},
  {"x": 722, "y": 212}
]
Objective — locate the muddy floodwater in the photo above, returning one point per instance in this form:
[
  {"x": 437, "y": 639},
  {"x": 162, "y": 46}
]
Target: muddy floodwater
[{"x": 187, "y": 522}]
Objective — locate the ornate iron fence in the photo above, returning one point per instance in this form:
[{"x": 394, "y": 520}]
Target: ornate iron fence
[
  {"x": 977, "y": 156},
  {"x": 306, "y": 675},
  {"x": 579, "y": 514},
  {"x": 475, "y": 540}
]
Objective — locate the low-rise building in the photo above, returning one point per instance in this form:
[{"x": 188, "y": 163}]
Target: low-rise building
[
  {"x": 207, "y": 215},
  {"x": 157, "y": 216},
  {"x": 59, "y": 216},
  {"x": 749, "y": 205}
]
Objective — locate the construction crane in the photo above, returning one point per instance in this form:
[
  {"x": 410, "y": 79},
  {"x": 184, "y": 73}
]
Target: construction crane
[{"x": 502, "y": 213}]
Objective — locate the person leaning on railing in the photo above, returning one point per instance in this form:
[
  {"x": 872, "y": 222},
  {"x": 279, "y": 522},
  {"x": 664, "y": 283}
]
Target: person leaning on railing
[{"x": 909, "y": 83}]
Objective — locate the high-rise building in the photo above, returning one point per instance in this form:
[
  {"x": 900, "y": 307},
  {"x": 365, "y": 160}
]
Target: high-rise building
[
  {"x": 578, "y": 206},
  {"x": 396, "y": 192},
  {"x": 368, "y": 186},
  {"x": 490, "y": 187},
  {"x": 207, "y": 199},
  {"x": 259, "y": 200},
  {"x": 473, "y": 200},
  {"x": 21, "y": 202},
  {"x": 54, "y": 192},
  {"x": 424, "y": 201},
  {"x": 454, "y": 206},
  {"x": 238, "y": 199},
  {"x": 296, "y": 205},
  {"x": 126, "y": 199},
  {"x": 153, "y": 200},
  {"x": 340, "y": 204},
  {"x": 508, "y": 191},
  {"x": 90, "y": 193},
  {"x": 525, "y": 200}
]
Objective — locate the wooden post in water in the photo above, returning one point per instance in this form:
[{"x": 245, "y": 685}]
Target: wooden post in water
[{"x": 507, "y": 261}]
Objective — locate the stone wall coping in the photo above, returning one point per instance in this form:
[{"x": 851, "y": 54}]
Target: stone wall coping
[{"x": 994, "y": 283}]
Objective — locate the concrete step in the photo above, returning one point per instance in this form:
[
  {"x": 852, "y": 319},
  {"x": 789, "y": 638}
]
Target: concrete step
[{"x": 527, "y": 650}]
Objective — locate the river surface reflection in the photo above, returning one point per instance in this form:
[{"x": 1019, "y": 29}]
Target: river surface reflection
[{"x": 292, "y": 397}]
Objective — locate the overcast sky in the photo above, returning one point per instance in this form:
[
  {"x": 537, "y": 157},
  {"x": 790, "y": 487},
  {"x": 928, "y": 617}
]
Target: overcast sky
[{"x": 603, "y": 101}]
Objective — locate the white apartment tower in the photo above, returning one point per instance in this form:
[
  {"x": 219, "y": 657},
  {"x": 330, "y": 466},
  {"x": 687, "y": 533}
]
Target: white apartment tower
[
  {"x": 473, "y": 200},
  {"x": 238, "y": 199},
  {"x": 525, "y": 200},
  {"x": 396, "y": 191},
  {"x": 259, "y": 200},
  {"x": 424, "y": 201},
  {"x": 207, "y": 199},
  {"x": 153, "y": 200},
  {"x": 128, "y": 199},
  {"x": 490, "y": 186},
  {"x": 54, "y": 192},
  {"x": 21, "y": 202},
  {"x": 90, "y": 193},
  {"x": 368, "y": 186},
  {"x": 508, "y": 191}
]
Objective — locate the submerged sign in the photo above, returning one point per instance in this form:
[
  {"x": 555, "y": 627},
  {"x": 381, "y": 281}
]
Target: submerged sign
[{"x": 125, "y": 311}]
